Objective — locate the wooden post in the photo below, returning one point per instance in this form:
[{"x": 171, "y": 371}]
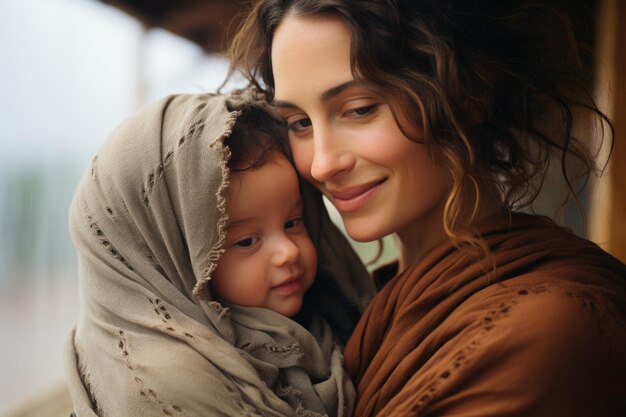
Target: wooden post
[{"x": 607, "y": 225}]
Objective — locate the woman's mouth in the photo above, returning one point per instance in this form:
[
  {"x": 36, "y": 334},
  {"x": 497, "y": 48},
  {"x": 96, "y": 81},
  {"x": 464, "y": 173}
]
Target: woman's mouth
[{"x": 351, "y": 199}]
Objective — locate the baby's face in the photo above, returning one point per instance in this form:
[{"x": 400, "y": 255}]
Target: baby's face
[{"x": 269, "y": 260}]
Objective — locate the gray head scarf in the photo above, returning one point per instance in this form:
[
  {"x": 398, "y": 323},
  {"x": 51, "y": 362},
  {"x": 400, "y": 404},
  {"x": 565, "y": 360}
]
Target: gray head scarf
[{"x": 148, "y": 220}]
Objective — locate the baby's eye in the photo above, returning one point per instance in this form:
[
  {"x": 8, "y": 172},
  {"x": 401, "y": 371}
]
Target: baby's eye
[
  {"x": 249, "y": 241},
  {"x": 293, "y": 223}
]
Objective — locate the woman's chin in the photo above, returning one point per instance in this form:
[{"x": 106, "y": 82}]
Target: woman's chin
[{"x": 364, "y": 231}]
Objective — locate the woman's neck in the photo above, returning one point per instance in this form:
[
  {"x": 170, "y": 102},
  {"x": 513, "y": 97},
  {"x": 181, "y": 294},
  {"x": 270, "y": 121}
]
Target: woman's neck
[{"x": 416, "y": 240}]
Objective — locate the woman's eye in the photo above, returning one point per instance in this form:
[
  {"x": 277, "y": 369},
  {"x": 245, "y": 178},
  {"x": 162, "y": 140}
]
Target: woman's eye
[
  {"x": 362, "y": 111},
  {"x": 244, "y": 243},
  {"x": 299, "y": 125}
]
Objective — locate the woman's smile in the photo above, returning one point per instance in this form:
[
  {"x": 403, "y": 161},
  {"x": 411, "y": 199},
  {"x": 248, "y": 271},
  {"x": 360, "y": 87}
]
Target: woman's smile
[{"x": 351, "y": 199}]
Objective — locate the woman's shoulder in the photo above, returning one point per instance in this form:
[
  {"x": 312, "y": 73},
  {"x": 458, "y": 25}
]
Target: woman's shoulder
[
  {"x": 554, "y": 311},
  {"x": 546, "y": 348},
  {"x": 555, "y": 333},
  {"x": 525, "y": 347}
]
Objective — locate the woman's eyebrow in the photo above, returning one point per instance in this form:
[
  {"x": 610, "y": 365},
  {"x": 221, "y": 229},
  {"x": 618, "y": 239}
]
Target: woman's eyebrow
[
  {"x": 335, "y": 91},
  {"x": 326, "y": 95},
  {"x": 284, "y": 104}
]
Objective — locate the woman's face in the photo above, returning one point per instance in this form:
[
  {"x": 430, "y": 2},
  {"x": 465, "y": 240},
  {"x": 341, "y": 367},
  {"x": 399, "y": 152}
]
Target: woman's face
[{"x": 345, "y": 139}]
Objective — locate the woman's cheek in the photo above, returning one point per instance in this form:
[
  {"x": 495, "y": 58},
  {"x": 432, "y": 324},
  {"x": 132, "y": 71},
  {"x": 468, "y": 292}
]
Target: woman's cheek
[{"x": 302, "y": 157}]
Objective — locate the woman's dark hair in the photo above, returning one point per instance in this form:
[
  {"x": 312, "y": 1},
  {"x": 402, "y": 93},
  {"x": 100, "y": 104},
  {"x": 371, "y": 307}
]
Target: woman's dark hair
[
  {"x": 498, "y": 87},
  {"x": 253, "y": 138}
]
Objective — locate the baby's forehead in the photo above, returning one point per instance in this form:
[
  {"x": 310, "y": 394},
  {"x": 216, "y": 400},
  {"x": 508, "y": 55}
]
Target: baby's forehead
[
  {"x": 268, "y": 192},
  {"x": 275, "y": 175}
]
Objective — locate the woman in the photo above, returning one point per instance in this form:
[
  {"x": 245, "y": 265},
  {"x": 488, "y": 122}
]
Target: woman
[
  {"x": 156, "y": 335},
  {"x": 437, "y": 121}
]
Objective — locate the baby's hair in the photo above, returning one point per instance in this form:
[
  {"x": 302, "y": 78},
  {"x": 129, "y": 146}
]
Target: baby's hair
[{"x": 255, "y": 135}]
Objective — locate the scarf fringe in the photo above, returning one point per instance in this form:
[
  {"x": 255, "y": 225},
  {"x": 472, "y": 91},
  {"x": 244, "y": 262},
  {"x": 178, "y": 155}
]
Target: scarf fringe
[{"x": 200, "y": 289}]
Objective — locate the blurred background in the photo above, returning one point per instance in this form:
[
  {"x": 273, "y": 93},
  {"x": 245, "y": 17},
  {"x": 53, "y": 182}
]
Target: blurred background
[{"x": 72, "y": 70}]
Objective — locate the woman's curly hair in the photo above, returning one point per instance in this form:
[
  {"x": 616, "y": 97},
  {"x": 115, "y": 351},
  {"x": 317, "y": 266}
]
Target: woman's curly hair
[{"x": 497, "y": 87}]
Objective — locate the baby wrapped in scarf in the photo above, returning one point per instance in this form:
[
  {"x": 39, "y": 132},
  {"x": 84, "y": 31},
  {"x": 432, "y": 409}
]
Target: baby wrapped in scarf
[{"x": 149, "y": 220}]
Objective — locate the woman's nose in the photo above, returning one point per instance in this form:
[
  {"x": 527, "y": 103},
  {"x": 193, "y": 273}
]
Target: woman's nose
[
  {"x": 330, "y": 155},
  {"x": 286, "y": 251}
]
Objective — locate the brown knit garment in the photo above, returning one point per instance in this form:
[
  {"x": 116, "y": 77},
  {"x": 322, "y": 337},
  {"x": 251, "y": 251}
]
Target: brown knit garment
[{"x": 545, "y": 337}]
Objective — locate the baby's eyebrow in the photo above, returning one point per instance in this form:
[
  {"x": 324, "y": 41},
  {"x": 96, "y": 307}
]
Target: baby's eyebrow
[
  {"x": 297, "y": 203},
  {"x": 239, "y": 222}
]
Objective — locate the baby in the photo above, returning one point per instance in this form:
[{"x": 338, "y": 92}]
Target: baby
[
  {"x": 194, "y": 265},
  {"x": 269, "y": 259}
]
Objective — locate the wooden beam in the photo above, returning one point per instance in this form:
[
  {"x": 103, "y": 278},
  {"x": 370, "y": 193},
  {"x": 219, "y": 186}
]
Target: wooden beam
[{"x": 208, "y": 23}]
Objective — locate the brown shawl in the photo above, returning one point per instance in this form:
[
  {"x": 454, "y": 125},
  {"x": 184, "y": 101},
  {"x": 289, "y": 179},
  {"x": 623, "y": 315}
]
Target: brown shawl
[{"x": 545, "y": 337}]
